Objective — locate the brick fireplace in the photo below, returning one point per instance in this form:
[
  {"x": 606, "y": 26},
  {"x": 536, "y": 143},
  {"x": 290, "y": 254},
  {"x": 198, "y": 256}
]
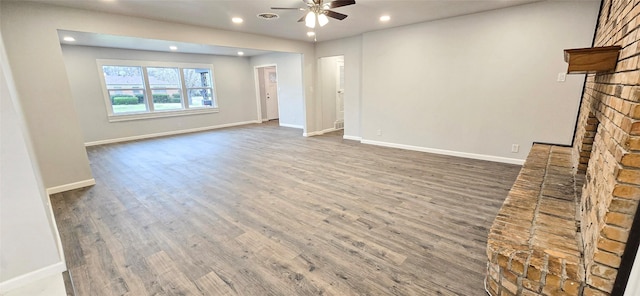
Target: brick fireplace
[
  {"x": 555, "y": 235},
  {"x": 611, "y": 102}
]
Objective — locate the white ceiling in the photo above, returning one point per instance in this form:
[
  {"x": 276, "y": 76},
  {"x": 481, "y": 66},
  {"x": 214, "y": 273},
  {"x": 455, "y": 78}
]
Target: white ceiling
[
  {"x": 363, "y": 16},
  {"x": 114, "y": 41}
]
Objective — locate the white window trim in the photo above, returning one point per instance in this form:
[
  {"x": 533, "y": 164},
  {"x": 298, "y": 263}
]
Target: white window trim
[{"x": 150, "y": 113}]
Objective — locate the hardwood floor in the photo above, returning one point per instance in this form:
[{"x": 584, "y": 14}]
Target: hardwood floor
[{"x": 261, "y": 210}]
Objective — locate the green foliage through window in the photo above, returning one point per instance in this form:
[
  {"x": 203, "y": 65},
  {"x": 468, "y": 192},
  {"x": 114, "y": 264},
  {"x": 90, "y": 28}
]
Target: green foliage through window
[{"x": 125, "y": 100}]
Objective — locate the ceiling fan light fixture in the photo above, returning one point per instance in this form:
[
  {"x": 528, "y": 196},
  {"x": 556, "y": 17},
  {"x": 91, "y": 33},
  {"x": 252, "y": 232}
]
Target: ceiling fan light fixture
[
  {"x": 310, "y": 20},
  {"x": 323, "y": 19}
]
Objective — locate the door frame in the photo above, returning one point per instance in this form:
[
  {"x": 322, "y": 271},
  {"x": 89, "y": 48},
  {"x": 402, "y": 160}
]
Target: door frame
[
  {"x": 339, "y": 91},
  {"x": 256, "y": 78}
]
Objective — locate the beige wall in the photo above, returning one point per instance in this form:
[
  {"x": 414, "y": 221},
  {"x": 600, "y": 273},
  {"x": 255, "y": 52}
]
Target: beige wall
[
  {"x": 474, "y": 85},
  {"x": 233, "y": 79},
  {"x": 28, "y": 242},
  {"x": 41, "y": 81}
]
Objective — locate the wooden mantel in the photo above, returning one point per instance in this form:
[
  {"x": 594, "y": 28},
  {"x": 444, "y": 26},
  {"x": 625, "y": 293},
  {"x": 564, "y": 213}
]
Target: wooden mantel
[{"x": 591, "y": 60}]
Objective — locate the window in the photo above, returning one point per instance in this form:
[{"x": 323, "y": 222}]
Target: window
[
  {"x": 137, "y": 89},
  {"x": 166, "y": 89},
  {"x": 198, "y": 82},
  {"x": 125, "y": 86}
]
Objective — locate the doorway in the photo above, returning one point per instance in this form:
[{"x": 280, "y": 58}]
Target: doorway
[
  {"x": 268, "y": 92},
  {"x": 339, "y": 123},
  {"x": 331, "y": 74}
]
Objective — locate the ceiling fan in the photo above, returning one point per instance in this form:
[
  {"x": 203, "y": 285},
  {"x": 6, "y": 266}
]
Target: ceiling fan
[{"x": 319, "y": 11}]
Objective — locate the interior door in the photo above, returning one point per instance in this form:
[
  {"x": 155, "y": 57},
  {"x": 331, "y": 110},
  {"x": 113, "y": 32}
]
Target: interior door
[
  {"x": 340, "y": 92},
  {"x": 271, "y": 89}
]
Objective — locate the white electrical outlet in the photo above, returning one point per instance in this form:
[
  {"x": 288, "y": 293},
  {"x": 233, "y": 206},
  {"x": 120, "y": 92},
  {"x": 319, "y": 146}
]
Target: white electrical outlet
[
  {"x": 562, "y": 77},
  {"x": 379, "y": 133},
  {"x": 515, "y": 148}
]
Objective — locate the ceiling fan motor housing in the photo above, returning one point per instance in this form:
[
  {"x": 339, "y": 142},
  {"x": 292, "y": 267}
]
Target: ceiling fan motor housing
[{"x": 318, "y": 8}]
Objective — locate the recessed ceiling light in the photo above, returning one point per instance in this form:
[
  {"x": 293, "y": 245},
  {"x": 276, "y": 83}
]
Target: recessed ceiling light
[
  {"x": 311, "y": 34},
  {"x": 172, "y": 47},
  {"x": 69, "y": 38},
  {"x": 240, "y": 53},
  {"x": 385, "y": 18},
  {"x": 237, "y": 20}
]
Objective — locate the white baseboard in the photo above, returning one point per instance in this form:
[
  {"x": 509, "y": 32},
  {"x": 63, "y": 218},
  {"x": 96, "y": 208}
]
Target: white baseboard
[
  {"x": 31, "y": 277},
  {"x": 50, "y": 286},
  {"x": 446, "y": 152},
  {"x": 322, "y": 132},
  {"x": 170, "y": 133},
  {"x": 71, "y": 186},
  {"x": 354, "y": 138},
  {"x": 56, "y": 232},
  {"x": 291, "y": 125}
]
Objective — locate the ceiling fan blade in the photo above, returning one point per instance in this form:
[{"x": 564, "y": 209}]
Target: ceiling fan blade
[
  {"x": 340, "y": 3},
  {"x": 287, "y": 8},
  {"x": 302, "y": 18},
  {"x": 335, "y": 15}
]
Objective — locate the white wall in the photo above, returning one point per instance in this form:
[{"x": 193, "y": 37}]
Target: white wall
[
  {"x": 33, "y": 48},
  {"x": 28, "y": 242},
  {"x": 234, "y": 88},
  {"x": 291, "y": 104},
  {"x": 633, "y": 285},
  {"x": 351, "y": 49},
  {"x": 478, "y": 83}
]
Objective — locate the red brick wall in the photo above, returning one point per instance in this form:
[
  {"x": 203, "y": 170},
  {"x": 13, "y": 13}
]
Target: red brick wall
[{"x": 612, "y": 187}]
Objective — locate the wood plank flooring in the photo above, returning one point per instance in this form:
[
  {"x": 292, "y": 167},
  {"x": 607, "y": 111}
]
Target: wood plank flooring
[{"x": 261, "y": 210}]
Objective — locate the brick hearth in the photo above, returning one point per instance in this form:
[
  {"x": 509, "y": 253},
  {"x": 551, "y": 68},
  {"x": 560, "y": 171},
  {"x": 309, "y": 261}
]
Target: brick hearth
[{"x": 534, "y": 244}]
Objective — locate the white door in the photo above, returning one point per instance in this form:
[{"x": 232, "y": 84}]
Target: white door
[
  {"x": 340, "y": 92},
  {"x": 271, "y": 89}
]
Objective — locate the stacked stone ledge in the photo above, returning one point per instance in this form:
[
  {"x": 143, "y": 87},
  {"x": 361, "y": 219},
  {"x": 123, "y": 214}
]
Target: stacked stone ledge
[{"x": 534, "y": 245}]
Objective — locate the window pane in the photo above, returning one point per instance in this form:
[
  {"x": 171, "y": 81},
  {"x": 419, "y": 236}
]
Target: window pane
[
  {"x": 167, "y": 99},
  {"x": 197, "y": 77},
  {"x": 123, "y": 77},
  {"x": 164, "y": 77},
  {"x": 127, "y": 101},
  {"x": 201, "y": 98}
]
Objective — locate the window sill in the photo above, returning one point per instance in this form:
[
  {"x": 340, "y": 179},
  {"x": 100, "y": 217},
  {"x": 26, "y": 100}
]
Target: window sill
[{"x": 160, "y": 114}]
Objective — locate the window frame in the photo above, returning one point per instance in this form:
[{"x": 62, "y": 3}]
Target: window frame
[
  {"x": 187, "y": 88},
  {"x": 148, "y": 94}
]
